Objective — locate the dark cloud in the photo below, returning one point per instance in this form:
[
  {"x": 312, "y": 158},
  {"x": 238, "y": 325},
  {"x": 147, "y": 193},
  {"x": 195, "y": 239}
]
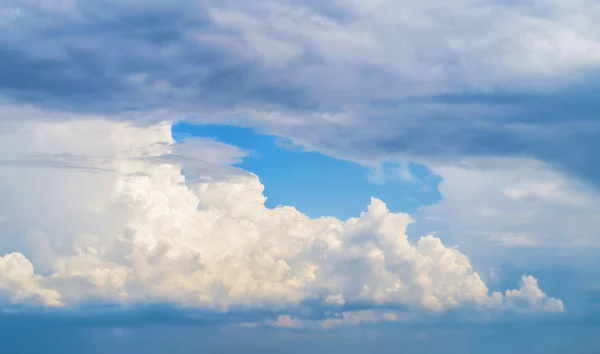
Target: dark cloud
[
  {"x": 403, "y": 87},
  {"x": 80, "y": 78}
]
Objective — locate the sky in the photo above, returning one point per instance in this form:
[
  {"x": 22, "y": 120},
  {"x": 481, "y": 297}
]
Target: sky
[
  {"x": 344, "y": 176},
  {"x": 339, "y": 188}
]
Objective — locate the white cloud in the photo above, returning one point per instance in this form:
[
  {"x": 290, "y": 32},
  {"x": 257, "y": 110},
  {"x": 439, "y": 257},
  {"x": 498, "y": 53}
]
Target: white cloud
[
  {"x": 531, "y": 298},
  {"x": 553, "y": 191},
  {"x": 528, "y": 298},
  {"x": 21, "y": 285},
  {"x": 122, "y": 224},
  {"x": 513, "y": 202}
]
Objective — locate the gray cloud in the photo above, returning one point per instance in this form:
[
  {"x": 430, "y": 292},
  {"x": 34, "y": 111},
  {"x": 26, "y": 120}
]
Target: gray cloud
[{"x": 421, "y": 80}]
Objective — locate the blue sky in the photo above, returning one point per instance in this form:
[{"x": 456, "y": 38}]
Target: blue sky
[
  {"x": 317, "y": 184},
  {"x": 440, "y": 159}
]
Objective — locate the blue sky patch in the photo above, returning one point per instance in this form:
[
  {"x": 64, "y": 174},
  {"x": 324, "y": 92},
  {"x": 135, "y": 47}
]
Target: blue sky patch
[{"x": 317, "y": 184}]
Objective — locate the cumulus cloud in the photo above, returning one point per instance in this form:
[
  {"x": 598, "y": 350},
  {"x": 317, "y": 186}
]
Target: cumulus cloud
[
  {"x": 124, "y": 225},
  {"x": 19, "y": 283},
  {"x": 531, "y": 297}
]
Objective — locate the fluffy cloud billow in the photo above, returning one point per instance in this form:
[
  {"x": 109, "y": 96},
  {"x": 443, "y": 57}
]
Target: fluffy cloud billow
[{"x": 100, "y": 211}]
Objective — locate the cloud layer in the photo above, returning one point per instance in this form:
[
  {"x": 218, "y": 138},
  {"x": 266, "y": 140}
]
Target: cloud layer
[
  {"x": 380, "y": 78},
  {"x": 100, "y": 211}
]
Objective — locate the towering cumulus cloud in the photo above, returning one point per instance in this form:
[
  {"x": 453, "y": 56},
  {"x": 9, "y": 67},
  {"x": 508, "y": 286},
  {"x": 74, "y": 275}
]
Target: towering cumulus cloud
[{"x": 102, "y": 212}]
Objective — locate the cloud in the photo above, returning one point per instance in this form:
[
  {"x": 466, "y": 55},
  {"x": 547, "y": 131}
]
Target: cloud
[
  {"x": 474, "y": 78},
  {"x": 139, "y": 232},
  {"x": 19, "y": 282},
  {"x": 506, "y": 85},
  {"x": 513, "y": 202},
  {"x": 530, "y": 296}
]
